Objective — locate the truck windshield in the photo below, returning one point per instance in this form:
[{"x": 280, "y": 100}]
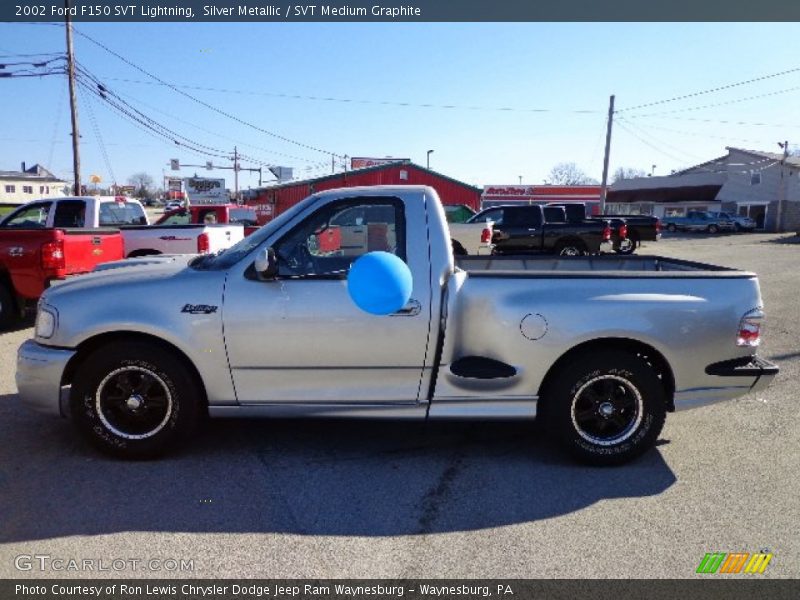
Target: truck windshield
[{"x": 241, "y": 249}]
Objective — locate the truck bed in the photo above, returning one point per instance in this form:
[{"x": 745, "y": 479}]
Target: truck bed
[{"x": 592, "y": 266}]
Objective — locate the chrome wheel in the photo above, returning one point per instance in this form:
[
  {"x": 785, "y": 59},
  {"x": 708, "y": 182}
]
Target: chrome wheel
[
  {"x": 133, "y": 402},
  {"x": 606, "y": 410},
  {"x": 570, "y": 251}
]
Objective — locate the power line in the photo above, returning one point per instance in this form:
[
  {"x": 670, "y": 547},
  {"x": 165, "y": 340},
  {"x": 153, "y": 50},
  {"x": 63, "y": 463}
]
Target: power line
[
  {"x": 721, "y": 121},
  {"x": 713, "y": 90},
  {"x": 648, "y": 144},
  {"x": 661, "y": 142},
  {"x": 99, "y": 137},
  {"x": 203, "y": 103},
  {"x": 180, "y": 120},
  {"x": 726, "y": 103},
  {"x": 358, "y": 100}
]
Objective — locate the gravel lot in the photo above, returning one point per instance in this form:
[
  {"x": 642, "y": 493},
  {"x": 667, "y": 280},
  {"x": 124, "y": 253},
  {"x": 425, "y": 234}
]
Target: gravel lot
[{"x": 328, "y": 499}]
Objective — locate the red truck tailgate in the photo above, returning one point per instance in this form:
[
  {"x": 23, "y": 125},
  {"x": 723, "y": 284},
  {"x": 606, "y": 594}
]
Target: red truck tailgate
[{"x": 86, "y": 248}]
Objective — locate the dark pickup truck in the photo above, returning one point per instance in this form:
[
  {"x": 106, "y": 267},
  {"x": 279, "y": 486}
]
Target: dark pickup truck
[
  {"x": 527, "y": 228},
  {"x": 640, "y": 228}
]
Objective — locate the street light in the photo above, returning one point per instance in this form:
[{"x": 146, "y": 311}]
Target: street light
[{"x": 429, "y": 158}]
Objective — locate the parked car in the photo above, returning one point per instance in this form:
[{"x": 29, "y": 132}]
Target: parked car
[
  {"x": 140, "y": 239},
  {"x": 739, "y": 222},
  {"x": 34, "y": 255},
  {"x": 698, "y": 221},
  {"x": 172, "y": 205},
  {"x": 524, "y": 229},
  {"x": 600, "y": 348},
  {"x": 640, "y": 228}
]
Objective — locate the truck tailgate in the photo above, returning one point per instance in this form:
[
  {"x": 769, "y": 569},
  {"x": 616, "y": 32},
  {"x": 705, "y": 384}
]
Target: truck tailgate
[{"x": 84, "y": 249}]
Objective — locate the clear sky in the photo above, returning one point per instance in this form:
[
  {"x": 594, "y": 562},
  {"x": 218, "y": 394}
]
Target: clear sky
[{"x": 362, "y": 90}]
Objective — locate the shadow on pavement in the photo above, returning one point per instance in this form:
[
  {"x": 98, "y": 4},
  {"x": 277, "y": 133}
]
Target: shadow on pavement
[{"x": 300, "y": 477}]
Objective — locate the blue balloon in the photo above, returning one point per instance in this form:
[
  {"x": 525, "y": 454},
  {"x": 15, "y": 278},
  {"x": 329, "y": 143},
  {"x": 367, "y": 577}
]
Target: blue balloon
[{"x": 379, "y": 283}]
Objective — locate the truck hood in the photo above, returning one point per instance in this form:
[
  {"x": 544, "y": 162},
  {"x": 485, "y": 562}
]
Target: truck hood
[{"x": 130, "y": 270}]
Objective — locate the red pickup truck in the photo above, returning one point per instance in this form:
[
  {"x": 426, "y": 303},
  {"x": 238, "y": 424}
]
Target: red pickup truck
[
  {"x": 197, "y": 214},
  {"x": 32, "y": 257}
]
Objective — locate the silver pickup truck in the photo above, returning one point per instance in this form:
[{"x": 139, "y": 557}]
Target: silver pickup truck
[{"x": 601, "y": 348}]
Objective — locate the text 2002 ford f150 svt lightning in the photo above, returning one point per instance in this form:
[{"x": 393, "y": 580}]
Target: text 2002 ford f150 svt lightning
[{"x": 601, "y": 348}]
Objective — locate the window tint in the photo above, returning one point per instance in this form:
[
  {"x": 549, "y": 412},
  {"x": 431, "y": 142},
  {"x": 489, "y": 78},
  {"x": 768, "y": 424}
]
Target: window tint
[
  {"x": 495, "y": 215},
  {"x": 121, "y": 213},
  {"x": 70, "y": 213},
  {"x": 32, "y": 217},
  {"x": 179, "y": 218},
  {"x": 328, "y": 241},
  {"x": 522, "y": 216}
]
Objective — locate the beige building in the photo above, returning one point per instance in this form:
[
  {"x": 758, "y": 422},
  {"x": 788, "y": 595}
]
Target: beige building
[
  {"x": 750, "y": 183},
  {"x": 19, "y": 187}
]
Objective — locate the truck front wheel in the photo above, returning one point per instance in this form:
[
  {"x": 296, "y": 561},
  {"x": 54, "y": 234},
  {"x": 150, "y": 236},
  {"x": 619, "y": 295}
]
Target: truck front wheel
[
  {"x": 571, "y": 248},
  {"x": 606, "y": 410},
  {"x": 134, "y": 400}
]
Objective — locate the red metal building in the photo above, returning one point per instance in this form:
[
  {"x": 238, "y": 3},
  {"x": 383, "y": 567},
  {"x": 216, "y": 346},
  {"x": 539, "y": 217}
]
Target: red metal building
[{"x": 273, "y": 200}]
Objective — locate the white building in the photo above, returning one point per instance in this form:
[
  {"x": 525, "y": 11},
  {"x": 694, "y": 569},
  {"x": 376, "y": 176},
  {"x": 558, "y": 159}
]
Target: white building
[
  {"x": 18, "y": 187},
  {"x": 747, "y": 182}
]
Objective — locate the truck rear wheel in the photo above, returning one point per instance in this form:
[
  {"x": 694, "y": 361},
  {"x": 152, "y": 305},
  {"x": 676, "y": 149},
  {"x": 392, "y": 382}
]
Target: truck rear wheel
[
  {"x": 8, "y": 308},
  {"x": 134, "y": 400},
  {"x": 606, "y": 410},
  {"x": 627, "y": 246},
  {"x": 672, "y": 228}
]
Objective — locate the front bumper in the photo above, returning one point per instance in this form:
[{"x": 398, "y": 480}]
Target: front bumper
[
  {"x": 737, "y": 377},
  {"x": 39, "y": 372}
]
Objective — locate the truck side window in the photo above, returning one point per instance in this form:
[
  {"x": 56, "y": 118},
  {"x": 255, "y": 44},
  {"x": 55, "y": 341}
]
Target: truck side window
[
  {"x": 523, "y": 216},
  {"x": 327, "y": 242},
  {"x": 70, "y": 213},
  {"x": 32, "y": 217}
]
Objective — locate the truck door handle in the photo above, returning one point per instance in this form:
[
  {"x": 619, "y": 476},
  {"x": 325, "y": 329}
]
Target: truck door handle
[
  {"x": 412, "y": 309},
  {"x": 16, "y": 251}
]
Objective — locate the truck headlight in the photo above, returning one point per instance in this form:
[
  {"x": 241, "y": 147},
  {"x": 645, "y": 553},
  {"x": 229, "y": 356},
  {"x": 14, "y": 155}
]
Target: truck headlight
[{"x": 46, "y": 321}]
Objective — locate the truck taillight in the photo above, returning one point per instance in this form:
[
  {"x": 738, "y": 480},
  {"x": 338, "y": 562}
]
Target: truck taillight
[
  {"x": 607, "y": 233},
  {"x": 623, "y": 231},
  {"x": 486, "y": 235},
  {"x": 658, "y": 225},
  {"x": 203, "y": 245},
  {"x": 750, "y": 328},
  {"x": 53, "y": 255}
]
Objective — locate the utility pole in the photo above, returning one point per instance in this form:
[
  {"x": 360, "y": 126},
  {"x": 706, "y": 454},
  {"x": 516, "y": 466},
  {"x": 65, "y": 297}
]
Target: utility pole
[
  {"x": 236, "y": 173},
  {"x": 76, "y": 157},
  {"x": 782, "y": 197},
  {"x": 604, "y": 184}
]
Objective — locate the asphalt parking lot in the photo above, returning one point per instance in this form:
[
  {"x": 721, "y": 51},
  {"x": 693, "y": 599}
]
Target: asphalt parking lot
[{"x": 345, "y": 499}]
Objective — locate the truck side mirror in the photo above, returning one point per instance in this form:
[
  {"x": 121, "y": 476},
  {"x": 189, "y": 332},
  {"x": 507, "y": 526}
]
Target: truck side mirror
[{"x": 266, "y": 264}]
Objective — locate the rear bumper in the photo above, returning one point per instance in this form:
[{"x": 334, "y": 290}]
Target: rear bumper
[
  {"x": 39, "y": 372},
  {"x": 736, "y": 377}
]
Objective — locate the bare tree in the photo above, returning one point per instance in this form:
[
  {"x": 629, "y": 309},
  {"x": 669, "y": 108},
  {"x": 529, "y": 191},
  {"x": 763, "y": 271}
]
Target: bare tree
[
  {"x": 627, "y": 173},
  {"x": 569, "y": 174},
  {"x": 143, "y": 183}
]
